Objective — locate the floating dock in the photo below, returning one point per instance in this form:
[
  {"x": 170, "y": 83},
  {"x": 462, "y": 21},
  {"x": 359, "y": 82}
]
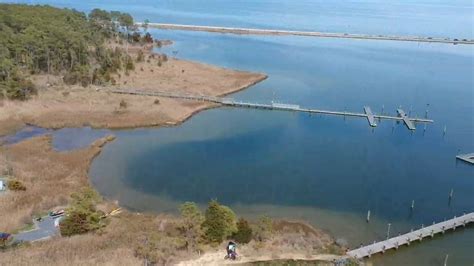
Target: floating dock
[
  {"x": 417, "y": 235},
  {"x": 254, "y": 31},
  {"x": 409, "y": 121},
  {"x": 370, "y": 116},
  {"x": 406, "y": 119},
  {"x": 469, "y": 158}
]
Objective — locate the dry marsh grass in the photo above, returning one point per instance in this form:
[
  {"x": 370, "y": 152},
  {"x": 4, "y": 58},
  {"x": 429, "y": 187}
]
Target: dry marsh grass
[
  {"x": 49, "y": 176},
  {"x": 58, "y": 105}
]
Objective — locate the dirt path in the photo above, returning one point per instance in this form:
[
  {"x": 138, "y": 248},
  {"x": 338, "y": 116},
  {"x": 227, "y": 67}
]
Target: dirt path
[{"x": 217, "y": 258}]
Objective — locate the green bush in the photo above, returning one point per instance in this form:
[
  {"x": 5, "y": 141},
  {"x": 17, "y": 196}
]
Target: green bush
[
  {"x": 17, "y": 89},
  {"x": 220, "y": 222},
  {"x": 16, "y": 185},
  {"x": 244, "y": 232},
  {"x": 192, "y": 220},
  {"x": 82, "y": 216}
]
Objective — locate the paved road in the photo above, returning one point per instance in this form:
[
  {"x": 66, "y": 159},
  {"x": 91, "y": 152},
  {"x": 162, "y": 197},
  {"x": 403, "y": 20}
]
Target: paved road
[{"x": 44, "y": 229}]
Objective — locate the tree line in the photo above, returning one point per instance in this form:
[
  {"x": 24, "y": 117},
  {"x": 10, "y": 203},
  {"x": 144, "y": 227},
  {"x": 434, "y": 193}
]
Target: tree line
[{"x": 49, "y": 40}]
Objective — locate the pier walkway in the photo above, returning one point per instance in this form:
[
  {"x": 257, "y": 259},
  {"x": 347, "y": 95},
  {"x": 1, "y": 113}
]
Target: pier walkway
[
  {"x": 254, "y": 31},
  {"x": 417, "y": 235},
  {"x": 402, "y": 117}
]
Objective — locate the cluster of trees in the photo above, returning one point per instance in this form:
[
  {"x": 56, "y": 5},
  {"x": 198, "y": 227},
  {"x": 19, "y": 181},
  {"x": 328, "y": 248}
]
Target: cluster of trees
[
  {"x": 219, "y": 223},
  {"x": 82, "y": 216},
  {"x": 196, "y": 229},
  {"x": 44, "y": 39}
]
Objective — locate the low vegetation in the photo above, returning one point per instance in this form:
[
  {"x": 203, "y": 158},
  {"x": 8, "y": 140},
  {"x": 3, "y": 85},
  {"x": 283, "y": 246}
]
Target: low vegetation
[
  {"x": 244, "y": 232},
  {"x": 82, "y": 216},
  {"x": 47, "y": 40},
  {"x": 15, "y": 185},
  {"x": 219, "y": 223}
]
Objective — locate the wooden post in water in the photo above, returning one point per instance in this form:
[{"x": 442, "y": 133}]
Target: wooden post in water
[
  {"x": 368, "y": 216},
  {"x": 388, "y": 230},
  {"x": 451, "y": 193}
]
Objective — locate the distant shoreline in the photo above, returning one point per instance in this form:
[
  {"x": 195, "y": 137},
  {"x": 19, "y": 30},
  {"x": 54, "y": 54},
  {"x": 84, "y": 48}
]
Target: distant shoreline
[{"x": 255, "y": 31}]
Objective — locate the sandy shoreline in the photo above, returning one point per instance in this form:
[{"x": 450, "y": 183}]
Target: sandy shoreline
[{"x": 317, "y": 34}]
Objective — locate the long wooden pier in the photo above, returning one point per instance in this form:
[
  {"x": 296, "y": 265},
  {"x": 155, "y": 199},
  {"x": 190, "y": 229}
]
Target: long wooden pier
[
  {"x": 402, "y": 117},
  {"x": 417, "y": 235},
  {"x": 255, "y": 31}
]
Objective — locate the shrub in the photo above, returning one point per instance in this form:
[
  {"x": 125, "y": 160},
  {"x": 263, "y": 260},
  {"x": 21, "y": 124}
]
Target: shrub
[
  {"x": 140, "y": 56},
  {"x": 16, "y": 185},
  {"x": 136, "y": 37},
  {"x": 147, "y": 38},
  {"x": 80, "y": 74},
  {"x": 244, "y": 232},
  {"x": 82, "y": 216},
  {"x": 192, "y": 220},
  {"x": 75, "y": 223},
  {"x": 123, "y": 104},
  {"x": 129, "y": 65},
  {"x": 219, "y": 222},
  {"x": 157, "y": 101}
]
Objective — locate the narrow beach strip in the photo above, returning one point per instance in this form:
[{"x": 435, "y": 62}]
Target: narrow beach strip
[{"x": 249, "y": 31}]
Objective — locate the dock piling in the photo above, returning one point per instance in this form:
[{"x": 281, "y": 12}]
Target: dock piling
[{"x": 388, "y": 231}]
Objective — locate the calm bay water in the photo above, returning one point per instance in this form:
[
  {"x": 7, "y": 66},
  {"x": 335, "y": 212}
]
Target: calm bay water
[{"x": 326, "y": 170}]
